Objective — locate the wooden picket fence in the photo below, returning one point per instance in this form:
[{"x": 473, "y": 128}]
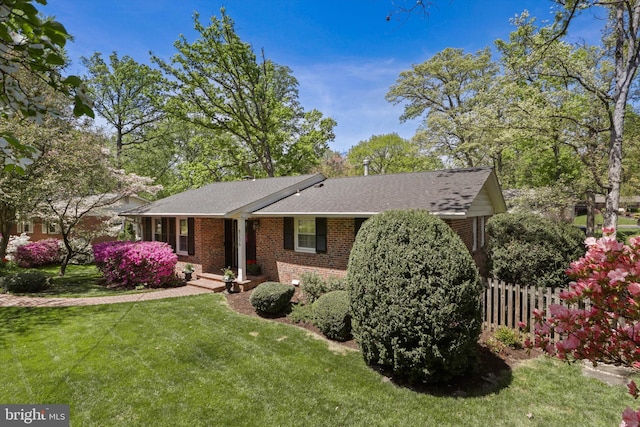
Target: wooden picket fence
[{"x": 507, "y": 305}]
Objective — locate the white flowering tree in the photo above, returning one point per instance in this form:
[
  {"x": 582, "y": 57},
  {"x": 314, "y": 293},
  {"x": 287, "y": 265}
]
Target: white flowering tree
[
  {"x": 31, "y": 47},
  {"x": 75, "y": 181}
]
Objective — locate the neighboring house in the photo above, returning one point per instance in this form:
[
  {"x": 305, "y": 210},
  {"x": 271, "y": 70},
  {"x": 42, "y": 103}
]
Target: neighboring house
[
  {"x": 290, "y": 225},
  {"x": 38, "y": 229}
]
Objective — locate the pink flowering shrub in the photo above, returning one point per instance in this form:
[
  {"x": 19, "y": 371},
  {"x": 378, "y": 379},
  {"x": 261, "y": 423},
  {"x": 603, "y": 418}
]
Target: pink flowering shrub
[
  {"x": 34, "y": 254},
  {"x": 130, "y": 264},
  {"x": 603, "y": 324}
]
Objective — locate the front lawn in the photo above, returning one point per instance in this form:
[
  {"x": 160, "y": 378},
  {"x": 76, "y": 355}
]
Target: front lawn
[
  {"x": 193, "y": 362},
  {"x": 78, "y": 281}
]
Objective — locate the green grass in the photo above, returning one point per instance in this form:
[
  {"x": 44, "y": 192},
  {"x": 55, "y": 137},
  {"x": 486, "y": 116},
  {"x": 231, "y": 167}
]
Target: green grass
[
  {"x": 582, "y": 220},
  {"x": 78, "y": 281},
  {"x": 193, "y": 362}
]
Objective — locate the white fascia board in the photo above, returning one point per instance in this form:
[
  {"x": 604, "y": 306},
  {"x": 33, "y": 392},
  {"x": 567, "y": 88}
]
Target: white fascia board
[
  {"x": 176, "y": 214},
  {"x": 316, "y": 214},
  {"x": 443, "y": 215}
]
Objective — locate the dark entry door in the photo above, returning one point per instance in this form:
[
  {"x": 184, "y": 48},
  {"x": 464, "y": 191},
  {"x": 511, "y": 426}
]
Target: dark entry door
[{"x": 231, "y": 242}]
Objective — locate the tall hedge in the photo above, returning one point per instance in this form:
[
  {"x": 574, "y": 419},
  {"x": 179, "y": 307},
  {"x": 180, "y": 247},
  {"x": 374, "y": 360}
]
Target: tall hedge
[
  {"x": 531, "y": 250},
  {"x": 414, "y": 293}
]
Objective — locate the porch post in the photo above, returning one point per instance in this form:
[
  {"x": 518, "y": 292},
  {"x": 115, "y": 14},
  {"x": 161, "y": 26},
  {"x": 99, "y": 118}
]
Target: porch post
[{"x": 242, "y": 247}]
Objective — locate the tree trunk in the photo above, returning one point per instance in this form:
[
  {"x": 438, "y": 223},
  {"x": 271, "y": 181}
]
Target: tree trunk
[
  {"x": 591, "y": 213},
  {"x": 7, "y": 219}
]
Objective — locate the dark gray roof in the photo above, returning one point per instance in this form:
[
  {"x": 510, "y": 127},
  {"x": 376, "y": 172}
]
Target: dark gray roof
[
  {"x": 227, "y": 198},
  {"x": 445, "y": 192}
]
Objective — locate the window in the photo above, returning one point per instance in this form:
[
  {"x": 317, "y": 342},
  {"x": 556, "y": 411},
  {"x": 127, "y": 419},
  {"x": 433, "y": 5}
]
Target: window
[
  {"x": 25, "y": 227},
  {"x": 50, "y": 228},
  {"x": 183, "y": 236},
  {"x": 157, "y": 229},
  {"x": 305, "y": 235},
  {"x": 482, "y": 232}
]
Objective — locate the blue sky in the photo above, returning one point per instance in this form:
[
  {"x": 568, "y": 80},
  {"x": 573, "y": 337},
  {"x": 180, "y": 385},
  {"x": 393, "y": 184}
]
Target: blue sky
[{"x": 344, "y": 53}]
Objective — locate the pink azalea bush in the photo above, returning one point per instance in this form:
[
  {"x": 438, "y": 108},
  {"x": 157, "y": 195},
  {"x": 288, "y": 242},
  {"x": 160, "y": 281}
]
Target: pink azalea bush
[
  {"x": 607, "y": 329},
  {"x": 34, "y": 254},
  {"x": 130, "y": 264}
]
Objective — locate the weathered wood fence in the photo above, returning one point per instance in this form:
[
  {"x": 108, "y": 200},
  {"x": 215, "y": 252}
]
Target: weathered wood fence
[{"x": 505, "y": 304}]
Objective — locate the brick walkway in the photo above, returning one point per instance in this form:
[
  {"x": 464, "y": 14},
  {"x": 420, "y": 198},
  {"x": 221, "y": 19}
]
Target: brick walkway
[{"x": 18, "y": 301}]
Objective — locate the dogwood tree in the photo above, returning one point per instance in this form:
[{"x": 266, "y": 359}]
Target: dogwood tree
[{"x": 32, "y": 47}]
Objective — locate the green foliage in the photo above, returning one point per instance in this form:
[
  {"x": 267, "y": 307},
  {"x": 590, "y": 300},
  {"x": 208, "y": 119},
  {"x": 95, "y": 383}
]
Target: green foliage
[
  {"x": 301, "y": 313},
  {"x": 33, "y": 48},
  {"x": 453, "y": 92},
  {"x": 332, "y": 315},
  {"x": 530, "y": 250},
  {"x": 127, "y": 95},
  {"x": 508, "y": 337},
  {"x": 251, "y": 105},
  {"x": 313, "y": 285},
  {"x": 414, "y": 292},
  {"x": 271, "y": 297},
  {"x": 27, "y": 282},
  {"x": 390, "y": 154}
]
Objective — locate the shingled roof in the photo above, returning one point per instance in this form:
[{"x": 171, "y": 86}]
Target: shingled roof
[
  {"x": 224, "y": 199},
  {"x": 445, "y": 193}
]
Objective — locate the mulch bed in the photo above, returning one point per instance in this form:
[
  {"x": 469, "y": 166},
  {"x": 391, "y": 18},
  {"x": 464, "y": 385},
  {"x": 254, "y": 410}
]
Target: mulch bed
[{"x": 493, "y": 373}]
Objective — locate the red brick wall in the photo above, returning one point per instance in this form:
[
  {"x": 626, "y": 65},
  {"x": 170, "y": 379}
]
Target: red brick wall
[
  {"x": 87, "y": 222},
  {"x": 464, "y": 228},
  {"x": 284, "y": 265},
  {"x": 209, "y": 246}
]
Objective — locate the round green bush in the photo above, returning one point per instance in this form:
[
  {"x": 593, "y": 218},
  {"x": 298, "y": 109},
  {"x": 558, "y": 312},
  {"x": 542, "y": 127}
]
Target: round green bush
[
  {"x": 27, "y": 282},
  {"x": 531, "y": 250},
  {"x": 271, "y": 297},
  {"x": 332, "y": 315},
  {"x": 414, "y": 293}
]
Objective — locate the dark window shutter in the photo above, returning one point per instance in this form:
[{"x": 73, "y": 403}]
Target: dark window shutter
[
  {"x": 288, "y": 233},
  {"x": 147, "y": 229},
  {"x": 171, "y": 240},
  {"x": 321, "y": 235},
  {"x": 357, "y": 223},
  {"x": 191, "y": 244}
]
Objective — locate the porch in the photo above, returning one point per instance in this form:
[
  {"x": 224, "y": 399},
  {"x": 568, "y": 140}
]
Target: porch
[{"x": 215, "y": 282}]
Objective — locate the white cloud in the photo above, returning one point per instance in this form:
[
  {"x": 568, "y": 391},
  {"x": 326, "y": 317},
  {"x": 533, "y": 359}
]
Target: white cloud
[{"x": 353, "y": 92}]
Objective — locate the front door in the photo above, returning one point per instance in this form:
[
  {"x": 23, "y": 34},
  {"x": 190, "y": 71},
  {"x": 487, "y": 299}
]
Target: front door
[{"x": 231, "y": 242}]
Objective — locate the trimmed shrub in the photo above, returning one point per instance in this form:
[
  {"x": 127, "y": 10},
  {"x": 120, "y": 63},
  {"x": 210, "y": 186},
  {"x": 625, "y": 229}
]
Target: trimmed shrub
[
  {"x": 332, "y": 315},
  {"x": 27, "y": 282},
  {"x": 271, "y": 297},
  {"x": 35, "y": 254},
  {"x": 313, "y": 285},
  {"x": 531, "y": 250},
  {"x": 414, "y": 293},
  {"x": 508, "y": 337},
  {"x": 131, "y": 264}
]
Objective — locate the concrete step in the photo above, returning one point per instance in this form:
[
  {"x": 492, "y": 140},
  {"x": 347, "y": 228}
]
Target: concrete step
[{"x": 207, "y": 284}]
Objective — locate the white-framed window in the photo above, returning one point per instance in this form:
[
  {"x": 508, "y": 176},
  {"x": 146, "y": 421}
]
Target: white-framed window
[
  {"x": 482, "y": 232},
  {"x": 305, "y": 235},
  {"x": 50, "y": 228},
  {"x": 157, "y": 229},
  {"x": 474, "y": 232},
  {"x": 25, "y": 227},
  {"x": 183, "y": 236}
]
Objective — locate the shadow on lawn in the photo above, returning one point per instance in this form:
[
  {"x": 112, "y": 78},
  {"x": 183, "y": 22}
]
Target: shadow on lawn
[
  {"x": 23, "y": 320},
  {"x": 492, "y": 375}
]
